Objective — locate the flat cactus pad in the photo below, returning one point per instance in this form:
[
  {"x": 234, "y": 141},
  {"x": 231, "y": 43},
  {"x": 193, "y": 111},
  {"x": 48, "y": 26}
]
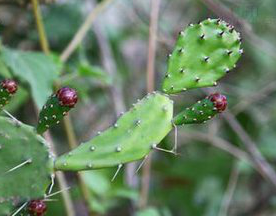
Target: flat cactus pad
[
  {"x": 203, "y": 54},
  {"x": 130, "y": 138},
  {"x": 25, "y": 165}
]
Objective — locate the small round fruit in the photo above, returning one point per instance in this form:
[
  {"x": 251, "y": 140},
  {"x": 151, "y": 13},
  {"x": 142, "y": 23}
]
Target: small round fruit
[
  {"x": 37, "y": 207},
  {"x": 219, "y": 101},
  {"x": 67, "y": 97},
  {"x": 9, "y": 85}
]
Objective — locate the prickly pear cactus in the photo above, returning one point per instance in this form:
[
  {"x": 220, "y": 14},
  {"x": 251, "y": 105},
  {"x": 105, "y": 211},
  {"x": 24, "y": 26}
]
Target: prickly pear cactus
[
  {"x": 56, "y": 107},
  {"x": 202, "y": 111},
  {"x": 203, "y": 53},
  {"x": 131, "y": 138},
  {"x": 7, "y": 89},
  {"x": 25, "y": 165}
]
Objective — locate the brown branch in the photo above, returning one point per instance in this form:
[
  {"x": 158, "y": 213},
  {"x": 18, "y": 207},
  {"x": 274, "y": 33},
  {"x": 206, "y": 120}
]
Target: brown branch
[
  {"x": 226, "y": 201},
  {"x": 81, "y": 33},
  {"x": 155, "y": 4},
  {"x": 256, "y": 156}
]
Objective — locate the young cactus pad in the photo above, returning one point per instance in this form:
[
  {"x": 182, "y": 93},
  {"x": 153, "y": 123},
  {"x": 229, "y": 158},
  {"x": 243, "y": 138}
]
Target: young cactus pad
[
  {"x": 130, "y": 138},
  {"x": 202, "y": 110},
  {"x": 7, "y": 89},
  {"x": 203, "y": 53},
  {"x": 56, "y": 107},
  {"x": 25, "y": 165}
]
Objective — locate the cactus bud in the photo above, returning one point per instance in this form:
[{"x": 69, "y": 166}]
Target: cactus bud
[
  {"x": 9, "y": 85},
  {"x": 219, "y": 101},
  {"x": 202, "y": 110},
  {"x": 8, "y": 88},
  {"x": 37, "y": 207},
  {"x": 56, "y": 107},
  {"x": 67, "y": 97}
]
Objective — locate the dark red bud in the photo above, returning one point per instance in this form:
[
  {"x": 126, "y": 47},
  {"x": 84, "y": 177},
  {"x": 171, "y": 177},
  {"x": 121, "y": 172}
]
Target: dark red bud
[
  {"x": 9, "y": 85},
  {"x": 219, "y": 100},
  {"x": 37, "y": 207},
  {"x": 67, "y": 97}
]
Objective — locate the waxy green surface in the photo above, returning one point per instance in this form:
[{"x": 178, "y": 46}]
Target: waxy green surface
[{"x": 203, "y": 54}]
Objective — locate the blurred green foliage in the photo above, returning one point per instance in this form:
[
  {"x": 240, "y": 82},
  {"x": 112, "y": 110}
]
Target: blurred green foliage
[{"x": 193, "y": 183}]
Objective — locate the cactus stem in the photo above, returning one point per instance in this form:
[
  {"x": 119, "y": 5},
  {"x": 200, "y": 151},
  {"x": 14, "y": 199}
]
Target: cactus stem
[
  {"x": 117, "y": 171},
  {"x": 20, "y": 165}
]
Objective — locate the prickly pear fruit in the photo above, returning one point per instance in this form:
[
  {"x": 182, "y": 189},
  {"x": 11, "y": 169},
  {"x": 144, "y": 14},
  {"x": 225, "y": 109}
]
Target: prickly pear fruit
[
  {"x": 56, "y": 107},
  {"x": 8, "y": 88},
  {"x": 37, "y": 207},
  {"x": 131, "y": 138},
  {"x": 203, "y": 54},
  {"x": 26, "y": 165},
  {"x": 202, "y": 110}
]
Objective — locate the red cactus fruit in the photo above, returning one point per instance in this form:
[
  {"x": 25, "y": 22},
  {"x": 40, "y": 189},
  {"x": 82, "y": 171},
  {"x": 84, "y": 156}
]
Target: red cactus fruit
[
  {"x": 67, "y": 96},
  {"x": 9, "y": 85},
  {"x": 219, "y": 100},
  {"x": 37, "y": 207}
]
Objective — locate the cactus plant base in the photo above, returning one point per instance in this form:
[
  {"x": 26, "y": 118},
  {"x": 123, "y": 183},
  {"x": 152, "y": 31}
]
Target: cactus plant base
[{"x": 25, "y": 165}]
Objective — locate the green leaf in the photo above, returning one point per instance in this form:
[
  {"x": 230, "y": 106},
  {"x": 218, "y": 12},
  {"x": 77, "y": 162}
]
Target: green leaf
[
  {"x": 96, "y": 181},
  {"x": 94, "y": 72},
  {"x": 148, "y": 212},
  {"x": 4, "y": 71},
  {"x": 35, "y": 68}
]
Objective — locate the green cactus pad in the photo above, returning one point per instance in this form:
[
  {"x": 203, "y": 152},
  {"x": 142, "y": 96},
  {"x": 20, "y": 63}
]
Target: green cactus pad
[
  {"x": 198, "y": 113},
  {"x": 51, "y": 114},
  {"x": 131, "y": 137},
  {"x": 203, "y": 54},
  {"x": 19, "y": 144}
]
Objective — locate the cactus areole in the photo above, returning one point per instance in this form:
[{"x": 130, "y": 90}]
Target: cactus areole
[{"x": 37, "y": 207}]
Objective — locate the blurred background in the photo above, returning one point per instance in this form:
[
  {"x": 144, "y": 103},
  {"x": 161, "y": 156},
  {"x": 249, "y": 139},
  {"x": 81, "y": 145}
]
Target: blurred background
[{"x": 106, "y": 50}]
